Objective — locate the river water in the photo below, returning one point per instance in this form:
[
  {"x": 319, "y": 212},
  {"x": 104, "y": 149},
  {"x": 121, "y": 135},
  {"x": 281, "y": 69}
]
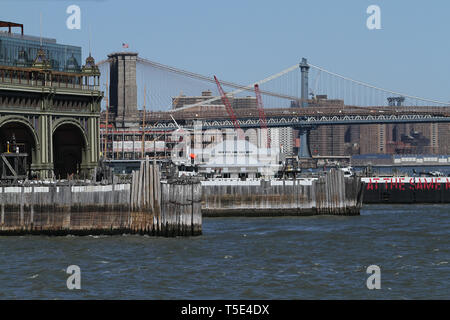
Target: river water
[{"x": 320, "y": 257}]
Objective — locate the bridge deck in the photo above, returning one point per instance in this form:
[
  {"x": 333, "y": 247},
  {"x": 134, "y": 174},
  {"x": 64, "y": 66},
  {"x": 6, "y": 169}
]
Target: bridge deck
[{"x": 299, "y": 116}]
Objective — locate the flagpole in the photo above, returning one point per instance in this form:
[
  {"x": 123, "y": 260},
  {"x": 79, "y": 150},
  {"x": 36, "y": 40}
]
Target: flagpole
[
  {"x": 105, "y": 140},
  {"x": 143, "y": 127}
]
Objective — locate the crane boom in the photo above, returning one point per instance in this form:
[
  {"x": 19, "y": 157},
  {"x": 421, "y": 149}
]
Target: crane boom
[
  {"x": 262, "y": 115},
  {"x": 229, "y": 108}
]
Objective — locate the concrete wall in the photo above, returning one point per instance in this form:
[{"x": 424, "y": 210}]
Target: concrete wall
[
  {"x": 332, "y": 194},
  {"x": 52, "y": 209},
  {"x": 98, "y": 209}
]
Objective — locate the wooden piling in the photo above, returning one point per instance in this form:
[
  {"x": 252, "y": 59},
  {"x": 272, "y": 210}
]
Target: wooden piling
[{"x": 170, "y": 208}]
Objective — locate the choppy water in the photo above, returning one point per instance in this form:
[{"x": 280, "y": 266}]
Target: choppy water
[{"x": 245, "y": 258}]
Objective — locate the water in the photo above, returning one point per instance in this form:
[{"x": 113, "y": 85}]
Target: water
[{"x": 320, "y": 257}]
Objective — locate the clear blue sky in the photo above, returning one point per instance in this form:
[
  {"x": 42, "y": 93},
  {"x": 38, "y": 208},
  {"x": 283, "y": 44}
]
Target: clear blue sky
[{"x": 243, "y": 41}]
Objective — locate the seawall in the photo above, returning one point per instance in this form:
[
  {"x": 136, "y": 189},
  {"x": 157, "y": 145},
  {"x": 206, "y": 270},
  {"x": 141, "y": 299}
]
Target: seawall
[
  {"x": 146, "y": 206},
  {"x": 57, "y": 210},
  {"x": 332, "y": 194}
]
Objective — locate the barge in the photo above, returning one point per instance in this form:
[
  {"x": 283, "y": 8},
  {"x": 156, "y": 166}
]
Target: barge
[{"x": 403, "y": 190}]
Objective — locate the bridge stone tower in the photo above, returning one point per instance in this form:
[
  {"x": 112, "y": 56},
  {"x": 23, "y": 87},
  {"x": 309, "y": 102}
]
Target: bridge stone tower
[
  {"x": 123, "y": 90},
  {"x": 304, "y": 151}
]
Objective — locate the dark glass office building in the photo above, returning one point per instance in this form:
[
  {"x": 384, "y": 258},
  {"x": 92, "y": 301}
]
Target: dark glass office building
[{"x": 20, "y": 50}]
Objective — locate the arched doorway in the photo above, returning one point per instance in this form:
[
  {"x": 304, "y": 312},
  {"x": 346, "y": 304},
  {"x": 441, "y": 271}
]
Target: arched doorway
[
  {"x": 16, "y": 134},
  {"x": 68, "y": 147}
]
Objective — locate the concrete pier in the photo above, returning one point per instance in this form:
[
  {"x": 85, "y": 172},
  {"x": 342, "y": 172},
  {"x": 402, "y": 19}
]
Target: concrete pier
[
  {"x": 175, "y": 207},
  {"x": 147, "y": 206},
  {"x": 333, "y": 194},
  {"x": 57, "y": 209}
]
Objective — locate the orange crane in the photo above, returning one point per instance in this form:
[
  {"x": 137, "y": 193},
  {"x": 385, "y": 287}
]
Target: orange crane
[
  {"x": 175, "y": 101},
  {"x": 229, "y": 109},
  {"x": 262, "y": 116}
]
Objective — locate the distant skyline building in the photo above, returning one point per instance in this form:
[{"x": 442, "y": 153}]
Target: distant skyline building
[
  {"x": 236, "y": 102},
  {"x": 401, "y": 138},
  {"x": 283, "y": 138}
]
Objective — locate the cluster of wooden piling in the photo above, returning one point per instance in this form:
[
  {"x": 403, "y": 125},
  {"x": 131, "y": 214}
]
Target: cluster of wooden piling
[
  {"x": 145, "y": 198},
  {"x": 181, "y": 199},
  {"x": 170, "y": 208},
  {"x": 338, "y": 195},
  {"x": 146, "y": 188}
]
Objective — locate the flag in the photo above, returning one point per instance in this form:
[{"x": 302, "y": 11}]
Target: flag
[{"x": 124, "y": 45}]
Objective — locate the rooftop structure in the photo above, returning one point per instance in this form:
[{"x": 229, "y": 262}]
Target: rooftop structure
[
  {"x": 9, "y": 25},
  {"x": 21, "y": 50}
]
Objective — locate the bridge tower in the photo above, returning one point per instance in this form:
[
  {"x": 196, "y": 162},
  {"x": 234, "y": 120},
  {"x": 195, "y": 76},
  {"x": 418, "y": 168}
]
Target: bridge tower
[
  {"x": 123, "y": 89},
  {"x": 304, "y": 151}
]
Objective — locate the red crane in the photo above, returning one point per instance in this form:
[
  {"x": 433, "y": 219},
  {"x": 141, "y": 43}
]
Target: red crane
[
  {"x": 229, "y": 108},
  {"x": 262, "y": 115}
]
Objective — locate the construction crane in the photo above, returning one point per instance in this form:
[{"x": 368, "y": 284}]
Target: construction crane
[
  {"x": 262, "y": 116},
  {"x": 175, "y": 101},
  {"x": 229, "y": 109}
]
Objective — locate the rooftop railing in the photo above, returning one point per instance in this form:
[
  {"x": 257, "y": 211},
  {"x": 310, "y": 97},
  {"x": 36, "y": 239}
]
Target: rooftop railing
[{"x": 37, "y": 78}]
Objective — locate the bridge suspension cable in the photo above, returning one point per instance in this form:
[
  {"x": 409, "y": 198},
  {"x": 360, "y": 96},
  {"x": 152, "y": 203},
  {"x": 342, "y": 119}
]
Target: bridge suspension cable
[
  {"x": 247, "y": 88},
  {"x": 282, "y": 92},
  {"x": 102, "y": 62},
  {"x": 367, "y": 85},
  {"x": 225, "y": 83}
]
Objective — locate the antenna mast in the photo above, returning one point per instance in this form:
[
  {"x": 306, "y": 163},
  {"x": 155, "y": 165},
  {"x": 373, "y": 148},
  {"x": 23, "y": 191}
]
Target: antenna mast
[
  {"x": 90, "y": 35},
  {"x": 40, "y": 29}
]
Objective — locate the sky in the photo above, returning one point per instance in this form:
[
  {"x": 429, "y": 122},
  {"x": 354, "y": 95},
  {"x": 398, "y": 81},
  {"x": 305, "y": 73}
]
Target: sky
[{"x": 244, "y": 41}]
